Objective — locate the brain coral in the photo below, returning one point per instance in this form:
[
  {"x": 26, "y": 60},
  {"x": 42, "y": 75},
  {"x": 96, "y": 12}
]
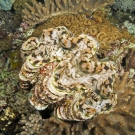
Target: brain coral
[
  {"x": 63, "y": 69},
  {"x": 98, "y": 26}
]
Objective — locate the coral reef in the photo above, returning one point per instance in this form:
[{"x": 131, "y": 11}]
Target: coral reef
[
  {"x": 130, "y": 60},
  {"x": 21, "y": 34},
  {"x": 2, "y": 34},
  {"x": 18, "y": 6},
  {"x": 3, "y": 104},
  {"x": 124, "y": 5},
  {"x": 9, "y": 70},
  {"x": 115, "y": 48},
  {"x": 14, "y": 60},
  {"x": 19, "y": 102},
  {"x": 5, "y": 43},
  {"x": 36, "y": 12},
  {"x": 120, "y": 121},
  {"x": 8, "y": 83},
  {"x": 7, "y": 21},
  {"x": 8, "y": 118},
  {"x": 12, "y": 101},
  {"x": 3, "y": 60},
  {"x": 98, "y": 26},
  {"x": 6, "y": 30},
  {"x": 130, "y": 27},
  {"x": 10, "y": 61},
  {"x": 5, "y": 4},
  {"x": 31, "y": 124},
  {"x": 52, "y": 126}
]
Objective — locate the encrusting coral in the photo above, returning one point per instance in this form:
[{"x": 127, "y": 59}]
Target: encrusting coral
[
  {"x": 36, "y": 12},
  {"x": 63, "y": 69}
]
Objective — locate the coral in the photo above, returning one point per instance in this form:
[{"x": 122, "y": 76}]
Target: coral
[
  {"x": 18, "y": 6},
  {"x": 2, "y": 34},
  {"x": 7, "y": 22},
  {"x": 9, "y": 65},
  {"x": 130, "y": 27},
  {"x": 8, "y": 119},
  {"x": 2, "y": 60},
  {"x": 3, "y": 104},
  {"x": 130, "y": 60},
  {"x": 71, "y": 21},
  {"x": 64, "y": 69},
  {"x": 124, "y": 5},
  {"x": 20, "y": 103},
  {"x": 53, "y": 126},
  {"x": 12, "y": 100},
  {"x": 6, "y": 29},
  {"x": 21, "y": 34},
  {"x": 9, "y": 90},
  {"x": 36, "y": 13},
  {"x": 31, "y": 125},
  {"x": 14, "y": 60},
  {"x": 8, "y": 74},
  {"x": 5, "y": 43},
  {"x": 8, "y": 83},
  {"x": 5, "y": 4},
  {"x": 121, "y": 121},
  {"x": 105, "y": 32}
]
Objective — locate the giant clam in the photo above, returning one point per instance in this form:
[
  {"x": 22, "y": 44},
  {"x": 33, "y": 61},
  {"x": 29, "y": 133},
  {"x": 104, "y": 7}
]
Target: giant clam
[{"x": 64, "y": 69}]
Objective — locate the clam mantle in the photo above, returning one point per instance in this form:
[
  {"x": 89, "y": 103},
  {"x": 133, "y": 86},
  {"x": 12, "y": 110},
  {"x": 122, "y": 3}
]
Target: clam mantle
[{"x": 63, "y": 68}]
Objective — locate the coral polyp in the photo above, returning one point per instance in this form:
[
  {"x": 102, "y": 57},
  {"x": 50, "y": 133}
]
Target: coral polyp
[{"x": 64, "y": 69}]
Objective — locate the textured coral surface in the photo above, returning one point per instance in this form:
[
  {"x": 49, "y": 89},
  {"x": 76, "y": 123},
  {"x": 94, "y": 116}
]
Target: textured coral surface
[
  {"x": 83, "y": 20},
  {"x": 97, "y": 26},
  {"x": 5, "y": 4},
  {"x": 36, "y": 12},
  {"x": 124, "y": 5}
]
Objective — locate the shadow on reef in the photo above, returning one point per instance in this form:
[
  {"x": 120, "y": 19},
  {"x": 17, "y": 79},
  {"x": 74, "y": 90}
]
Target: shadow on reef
[{"x": 46, "y": 113}]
